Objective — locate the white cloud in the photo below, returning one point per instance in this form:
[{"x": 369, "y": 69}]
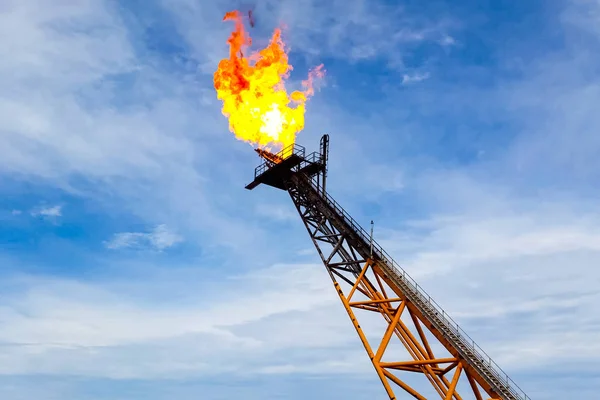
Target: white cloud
[
  {"x": 277, "y": 212},
  {"x": 160, "y": 238},
  {"x": 352, "y": 30},
  {"x": 69, "y": 56},
  {"x": 67, "y": 122},
  {"x": 48, "y": 212},
  {"x": 525, "y": 276},
  {"x": 103, "y": 330},
  {"x": 456, "y": 242},
  {"x": 384, "y": 178},
  {"x": 306, "y": 252},
  {"x": 447, "y": 40},
  {"x": 513, "y": 265},
  {"x": 416, "y": 77}
]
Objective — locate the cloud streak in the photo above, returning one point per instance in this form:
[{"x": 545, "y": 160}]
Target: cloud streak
[
  {"x": 59, "y": 326},
  {"x": 160, "y": 238},
  {"x": 417, "y": 77},
  {"x": 48, "y": 212}
]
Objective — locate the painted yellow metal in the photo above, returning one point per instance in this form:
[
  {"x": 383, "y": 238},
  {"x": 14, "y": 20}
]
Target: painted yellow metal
[
  {"x": 365, "y": 342},
  {"x": 452, "y": 388},
  {"x": 418, "y": 347}
]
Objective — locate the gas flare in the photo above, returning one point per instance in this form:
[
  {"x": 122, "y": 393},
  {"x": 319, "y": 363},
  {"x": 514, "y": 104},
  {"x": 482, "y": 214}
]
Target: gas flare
[{"x": 253, "y": 92}]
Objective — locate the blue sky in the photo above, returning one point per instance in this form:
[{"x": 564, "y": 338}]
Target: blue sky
[{"x": 134, "y": 264}]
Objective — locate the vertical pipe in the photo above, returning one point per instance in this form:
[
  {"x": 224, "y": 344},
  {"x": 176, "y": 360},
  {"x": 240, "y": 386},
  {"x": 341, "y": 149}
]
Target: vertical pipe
[
  {"x": 371, "y": 239},
  {"x": 324, "y": 157}
]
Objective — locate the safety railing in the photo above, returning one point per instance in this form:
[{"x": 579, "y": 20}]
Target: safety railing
[
  {"x": 286, "y": 152},
  {"x": 314, "y": 157},
  {"x": 294, "y": 149},
  {"x": 311, "y": 159},
  {"x": 493, "y": 370}
]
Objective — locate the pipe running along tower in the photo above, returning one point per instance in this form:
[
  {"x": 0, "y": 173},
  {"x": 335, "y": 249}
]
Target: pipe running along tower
[{"x": 417, "y": 337}]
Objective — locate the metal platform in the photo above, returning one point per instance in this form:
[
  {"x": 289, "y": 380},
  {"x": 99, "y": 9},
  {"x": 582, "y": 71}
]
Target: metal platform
[{"x": 278, "y": 168}]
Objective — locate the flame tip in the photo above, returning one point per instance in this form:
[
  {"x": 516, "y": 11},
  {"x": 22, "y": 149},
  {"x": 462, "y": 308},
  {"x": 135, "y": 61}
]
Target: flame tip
[{"x": 252, "y": 89}]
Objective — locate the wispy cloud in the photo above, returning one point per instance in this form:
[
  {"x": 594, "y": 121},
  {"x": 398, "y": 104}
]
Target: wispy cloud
[
  {"x": 45, "y": 212},
  {"x": 160, "y": 238},
  {"x": 447, "y": 40},
  {"x": 72, "y": 321},
  {"x": 277, "y": 212},
  {"x": 416, "y": 77},
  {"x": 355, "y": 30}
]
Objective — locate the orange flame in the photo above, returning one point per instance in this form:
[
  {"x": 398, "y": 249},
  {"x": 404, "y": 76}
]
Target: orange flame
[{"x": 253, "y": 93}]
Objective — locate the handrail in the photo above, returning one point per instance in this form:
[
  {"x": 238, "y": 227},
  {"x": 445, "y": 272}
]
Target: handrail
[
  {"x": 293, "y": 149},
  {"x": 286, "y": 152},
  {"x": 450, "y": 325}
]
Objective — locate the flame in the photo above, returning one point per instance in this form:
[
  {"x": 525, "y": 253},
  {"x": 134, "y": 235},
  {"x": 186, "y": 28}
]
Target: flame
[{"x": 253, "y": 93}]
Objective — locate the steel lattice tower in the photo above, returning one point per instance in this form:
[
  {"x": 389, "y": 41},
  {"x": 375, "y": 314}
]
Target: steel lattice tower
[{"x": 411, "y": 317}]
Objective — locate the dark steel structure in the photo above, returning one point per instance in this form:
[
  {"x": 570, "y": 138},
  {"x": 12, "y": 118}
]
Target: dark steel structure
[{"x": 375, "y": 283}]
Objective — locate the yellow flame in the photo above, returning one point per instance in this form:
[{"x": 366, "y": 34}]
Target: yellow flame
[{"x": 252, "y": 90}]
